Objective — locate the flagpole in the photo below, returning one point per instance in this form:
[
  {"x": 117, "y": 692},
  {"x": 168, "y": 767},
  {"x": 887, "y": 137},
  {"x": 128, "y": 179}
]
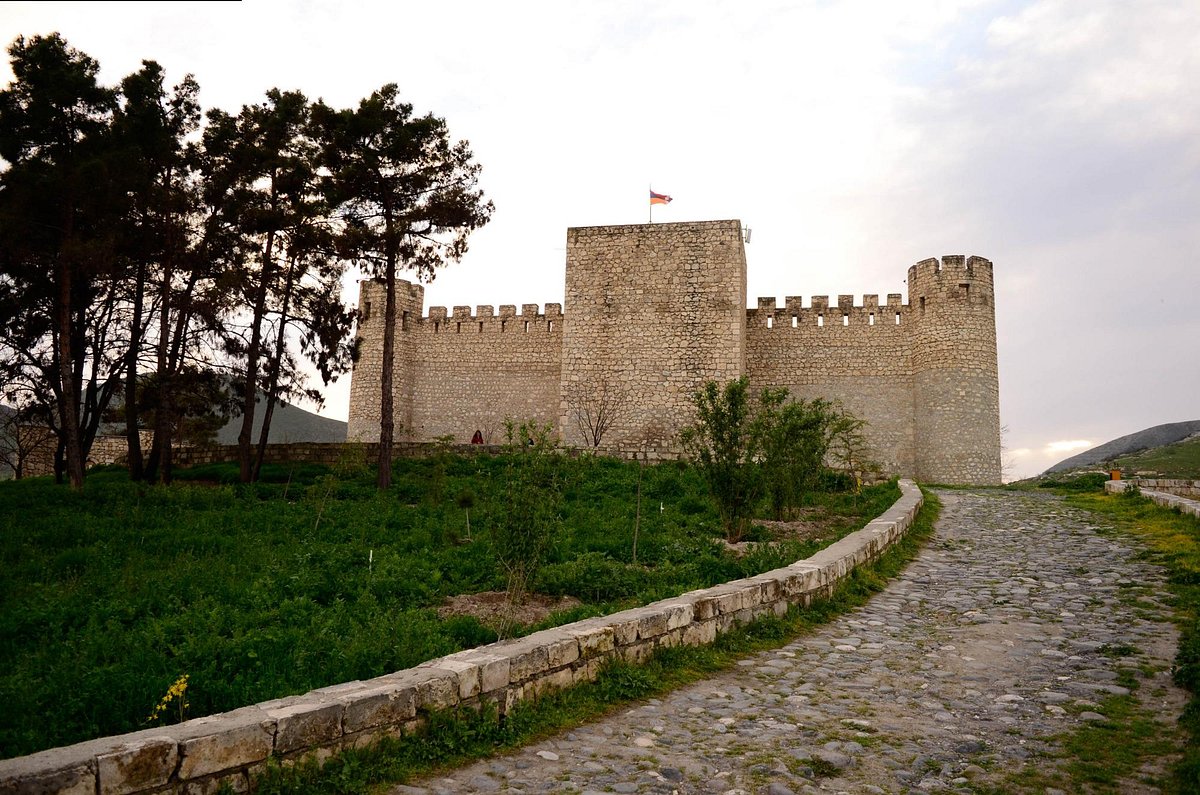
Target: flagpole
[{"x": 652, "y": 208}]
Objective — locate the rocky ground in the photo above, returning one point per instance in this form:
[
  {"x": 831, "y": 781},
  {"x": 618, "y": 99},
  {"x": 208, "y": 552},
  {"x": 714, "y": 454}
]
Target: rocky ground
[{"x": 1010, "y": 628}]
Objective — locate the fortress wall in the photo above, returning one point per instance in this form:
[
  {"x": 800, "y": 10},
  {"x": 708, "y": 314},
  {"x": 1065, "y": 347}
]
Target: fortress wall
[
  {"x": 655, "y": 311},
  {"x": 470, "y": 371},
  {"x": 858, "y": 355},
  {"x": 455, "y": 372}
]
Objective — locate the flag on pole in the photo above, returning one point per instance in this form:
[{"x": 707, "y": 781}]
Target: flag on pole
[{"x": 659, "y": 198}]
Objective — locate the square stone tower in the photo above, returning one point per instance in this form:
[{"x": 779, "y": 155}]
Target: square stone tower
[{"x": 654, "y": 311}]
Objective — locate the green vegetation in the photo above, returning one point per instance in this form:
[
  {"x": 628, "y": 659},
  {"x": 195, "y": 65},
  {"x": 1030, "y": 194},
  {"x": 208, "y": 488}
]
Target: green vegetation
[
  {"x": 1179, "y": 460},
  {"x": 459, "y": 737},
  {"x": 312, "y": 577},
  {"x": 775, "y": 446}
]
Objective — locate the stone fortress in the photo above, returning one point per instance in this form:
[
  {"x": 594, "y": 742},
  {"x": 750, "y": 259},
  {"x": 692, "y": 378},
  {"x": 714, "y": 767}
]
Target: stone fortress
[{"x": 655, "y": 310}]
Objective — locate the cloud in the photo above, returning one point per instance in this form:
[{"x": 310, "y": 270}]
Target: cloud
[{"x": 1066, "y": 446}]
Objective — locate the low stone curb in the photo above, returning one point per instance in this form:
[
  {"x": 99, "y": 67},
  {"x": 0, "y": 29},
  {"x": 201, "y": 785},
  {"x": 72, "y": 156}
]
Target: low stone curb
[
  {"x": 197, "y": 756},
  {"x": 1183, "y": 504}
]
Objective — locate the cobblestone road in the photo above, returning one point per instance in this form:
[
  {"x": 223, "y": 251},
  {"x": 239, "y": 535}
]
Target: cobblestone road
[{"x": 989, "y": 643}]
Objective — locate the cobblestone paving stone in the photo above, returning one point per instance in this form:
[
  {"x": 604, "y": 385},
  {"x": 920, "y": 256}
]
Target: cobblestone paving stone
[{"x": 956, "y": 674}]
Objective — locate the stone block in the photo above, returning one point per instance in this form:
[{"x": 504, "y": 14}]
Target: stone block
[
  {"x": 465, "y": 672},
  {"x": 237, "y": 782},
  {"x": 751, "y": 594},
  {"x": 593, "y": 640},
  {"x": 49, "y": 773},
  {"x": 306, "y": 725},
  {"x": 588, "y": 671},
  {"x": 625, "y": 627},
  {"x": 729, "y": 602},
  {"x": 494, "y": 669},
  {"x": 139, "y": 765},
  {"x": 383, "y": 705},
  {"x": 705, "y": 608},
  {"x": 562, "y": 651},
  {"x": 652, "y": 624},
  {"x": 233, "y": 740},
  {"x": 699, "y": 633},
  {"x": 555, "y": 680},
  {"x": 435, "y": 689},
  {"x": 528, "y": 660},
  {"x": 679, "y": 614}
]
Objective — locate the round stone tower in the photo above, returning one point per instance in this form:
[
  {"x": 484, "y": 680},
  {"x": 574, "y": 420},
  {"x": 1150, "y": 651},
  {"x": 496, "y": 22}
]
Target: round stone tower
[{"x": 956, "y": 393}]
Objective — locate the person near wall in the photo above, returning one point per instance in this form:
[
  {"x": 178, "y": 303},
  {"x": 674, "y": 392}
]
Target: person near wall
[{"x": 477, "y": 438}]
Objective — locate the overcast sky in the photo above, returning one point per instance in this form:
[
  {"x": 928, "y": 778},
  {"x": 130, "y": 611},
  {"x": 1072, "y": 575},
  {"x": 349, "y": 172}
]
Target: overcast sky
[{"x": 1058, "y": 138}]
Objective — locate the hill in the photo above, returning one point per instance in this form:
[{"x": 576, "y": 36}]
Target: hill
[
  {"x": 288, "y": 424},
  {"x": 1179, "y": 460},
  {"x": 1149, "y": 439}
]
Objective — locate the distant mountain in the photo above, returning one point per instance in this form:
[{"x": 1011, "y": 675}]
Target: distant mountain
[
  {"x": 288, "y": 424},
  {"x": 1158, "y": 436}
]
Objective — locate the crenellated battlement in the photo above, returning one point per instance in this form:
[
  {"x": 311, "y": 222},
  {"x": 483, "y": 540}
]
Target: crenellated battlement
[
  {"x": 947, "y": 275},
  {"x": 819, "y": 313},
  {"x": 486, "y": 320}
]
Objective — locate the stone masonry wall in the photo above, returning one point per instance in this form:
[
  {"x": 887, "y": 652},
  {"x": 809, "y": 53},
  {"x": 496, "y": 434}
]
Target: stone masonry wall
[
  {"x": 654, "y": 311},
  {"x": 858, "y": 355},
  {"x": 200, "y": 755},
  {"x": 1177, "y": 486},
  {"x": 1180, "y": 498},
  {"x": 456, "y": 372},
  {"x": 471, "y": 371}
]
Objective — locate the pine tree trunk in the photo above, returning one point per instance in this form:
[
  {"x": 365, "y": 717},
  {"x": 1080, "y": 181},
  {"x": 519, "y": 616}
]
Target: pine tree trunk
[
  {"x": 387, "y": 418},
  {"x": 245, "y": 455},
  {"x": 69, "y": 404},
  {"x": 132, "y": 437}
]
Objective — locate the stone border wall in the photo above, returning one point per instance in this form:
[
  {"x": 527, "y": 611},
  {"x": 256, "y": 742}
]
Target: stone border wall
[
  {"x": 1176, "y": 486},
  {"x": 199, "y": 755},
  {"x": 1163, "y": 498}
]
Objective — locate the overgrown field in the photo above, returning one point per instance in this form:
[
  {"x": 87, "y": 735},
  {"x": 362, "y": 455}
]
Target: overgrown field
[{"x": 309, "y": 579}]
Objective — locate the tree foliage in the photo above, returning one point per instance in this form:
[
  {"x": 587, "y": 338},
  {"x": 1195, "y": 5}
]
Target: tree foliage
[
  {"x": 774, "y": 447},
  {"x": 407, "y": 198},
  {"x": 152, "y": 259},
  {"x": 723, "y": 444}
]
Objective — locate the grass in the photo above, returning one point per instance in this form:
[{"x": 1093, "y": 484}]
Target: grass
[
  {"x": 455, "y": 738},
  {"x": 309, "y": 578},
  {"x": 1179, "y": 460}
]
